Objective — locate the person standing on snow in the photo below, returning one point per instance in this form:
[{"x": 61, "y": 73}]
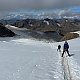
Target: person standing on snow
[
  {"x": 65, "y": 48},
  {"x": 59, "y": 48}
]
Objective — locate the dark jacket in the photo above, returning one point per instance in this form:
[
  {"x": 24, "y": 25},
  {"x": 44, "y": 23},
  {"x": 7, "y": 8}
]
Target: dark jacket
[
  {"x": 66, "y": 46},
  {"x": 59, "y": 46}
]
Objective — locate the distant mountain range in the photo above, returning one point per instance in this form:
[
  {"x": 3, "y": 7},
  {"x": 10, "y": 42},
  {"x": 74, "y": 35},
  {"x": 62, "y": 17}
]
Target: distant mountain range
[
  {"x": 56, "y": 29},
  {"x": 42, "y": 14}
]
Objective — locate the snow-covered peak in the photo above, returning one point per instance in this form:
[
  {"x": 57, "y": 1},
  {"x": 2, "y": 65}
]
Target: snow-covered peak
[
  {"x": 11, "y": 26},
  {"x": 47, "y": 22}
]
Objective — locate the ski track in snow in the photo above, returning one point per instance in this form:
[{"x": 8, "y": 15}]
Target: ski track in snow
[
  {"x": 47, "y": 70},
  {"x": 70, "y": 68}
]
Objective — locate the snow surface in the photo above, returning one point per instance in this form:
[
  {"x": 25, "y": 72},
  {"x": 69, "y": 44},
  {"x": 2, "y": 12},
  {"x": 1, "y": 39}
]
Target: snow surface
[{"x": 25, "y": 59}]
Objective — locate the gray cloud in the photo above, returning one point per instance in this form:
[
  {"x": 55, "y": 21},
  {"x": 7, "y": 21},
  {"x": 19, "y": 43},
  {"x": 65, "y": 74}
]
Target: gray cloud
[
  {"x": 63, "y": 5},
  {"x": 12, "y": 4}
]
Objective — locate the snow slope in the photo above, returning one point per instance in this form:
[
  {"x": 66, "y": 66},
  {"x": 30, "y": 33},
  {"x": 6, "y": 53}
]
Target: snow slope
[{"x": 25, "y": 59}]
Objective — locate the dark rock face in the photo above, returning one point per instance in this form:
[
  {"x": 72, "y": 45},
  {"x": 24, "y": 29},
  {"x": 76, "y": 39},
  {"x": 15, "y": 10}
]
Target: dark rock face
[
  {"x": 37, "y": 25},
  {"x": 4, "y": 32},
  {"x": 49, "y": 25},
  {"x": 53, "y": 35},
  {"x": 68, "y": 26}
]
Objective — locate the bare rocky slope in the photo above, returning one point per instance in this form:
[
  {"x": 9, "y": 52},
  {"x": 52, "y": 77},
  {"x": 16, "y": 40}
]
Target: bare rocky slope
[
  {"x": 50, "y": 29},
  {"x": 5, "y": 32}
]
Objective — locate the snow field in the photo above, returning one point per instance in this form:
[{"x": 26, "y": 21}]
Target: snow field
[{"x": 25, "y": 59}]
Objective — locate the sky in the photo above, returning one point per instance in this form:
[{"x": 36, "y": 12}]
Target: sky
[
  {"x": 63, "y": 6},
  {"x": 15, "y": 4}
]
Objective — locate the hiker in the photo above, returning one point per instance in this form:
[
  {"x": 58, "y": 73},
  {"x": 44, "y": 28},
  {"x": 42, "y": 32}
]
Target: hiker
[
  {"x": 59, "y": 48},
  {"x": 65, "y": 48}
]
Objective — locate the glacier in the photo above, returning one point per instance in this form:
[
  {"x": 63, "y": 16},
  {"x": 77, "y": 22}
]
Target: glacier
[{"x": 27, "y": 59}]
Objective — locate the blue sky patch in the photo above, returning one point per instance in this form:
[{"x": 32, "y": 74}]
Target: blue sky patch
[{"x": 75, "y": 9}]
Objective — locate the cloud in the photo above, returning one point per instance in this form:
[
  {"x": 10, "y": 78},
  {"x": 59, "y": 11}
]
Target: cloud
[
  {"x": 15, "y": 4},
  {"x": 3, "y": 14},
  {"x": 65, "y": 12},
  {"x": 63, "y": 5}
]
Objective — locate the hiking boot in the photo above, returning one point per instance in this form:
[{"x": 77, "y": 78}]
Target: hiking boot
[
  {"x": 62, "y": 56},
  {"x": 69, "y": 55}
]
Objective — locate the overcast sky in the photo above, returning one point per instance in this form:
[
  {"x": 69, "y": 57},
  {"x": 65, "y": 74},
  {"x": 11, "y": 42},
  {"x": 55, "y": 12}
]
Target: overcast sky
[
  {"x": 64, "y": 5},
  {"x": 12, "y": 4}
]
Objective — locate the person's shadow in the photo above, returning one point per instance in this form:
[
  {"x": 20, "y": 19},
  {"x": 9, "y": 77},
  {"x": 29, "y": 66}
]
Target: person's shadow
[{"x": 72, "y": 55}]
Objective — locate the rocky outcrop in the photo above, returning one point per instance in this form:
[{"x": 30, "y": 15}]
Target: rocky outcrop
[
  {"x": 4, "y": 32},
  {"x": 69, "y": 36},
  {"x": 37, "y": 25},
  {"x": 68, "y": 26},
  {"x": 53, "y": 35},
  {"x": 63, "y": 25}
]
